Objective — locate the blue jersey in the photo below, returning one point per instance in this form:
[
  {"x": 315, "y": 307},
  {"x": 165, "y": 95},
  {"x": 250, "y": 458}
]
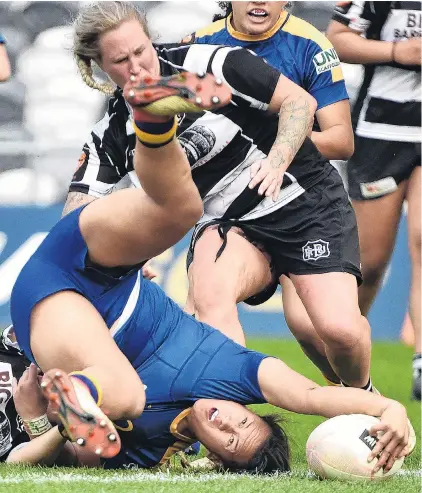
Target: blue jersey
[
  {"x": 2, "y": 40},
  {"x": 294, "y": 47},
  {"x": 179, "y": 359}
]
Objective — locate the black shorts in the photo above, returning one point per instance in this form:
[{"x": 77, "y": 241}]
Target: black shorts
[
  {"x": 378, "y": 166},
  {"x": 313, "y": 234}
]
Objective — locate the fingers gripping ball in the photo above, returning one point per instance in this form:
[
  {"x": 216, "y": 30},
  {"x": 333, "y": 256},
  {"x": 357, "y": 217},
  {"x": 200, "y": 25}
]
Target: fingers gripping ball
[{"x": 339, "y": 449}]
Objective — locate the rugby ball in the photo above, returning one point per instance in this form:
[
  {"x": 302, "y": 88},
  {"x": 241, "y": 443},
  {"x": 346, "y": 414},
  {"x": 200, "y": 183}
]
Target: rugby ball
[{"x": 339, "y": 449}]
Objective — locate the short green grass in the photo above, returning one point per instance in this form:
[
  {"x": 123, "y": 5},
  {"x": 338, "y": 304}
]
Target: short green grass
[{"x": 391, "y": 373}]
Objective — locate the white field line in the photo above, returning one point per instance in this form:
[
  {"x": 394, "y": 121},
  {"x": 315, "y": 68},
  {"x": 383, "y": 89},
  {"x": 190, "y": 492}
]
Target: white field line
[{"x": 142, "y": 476}]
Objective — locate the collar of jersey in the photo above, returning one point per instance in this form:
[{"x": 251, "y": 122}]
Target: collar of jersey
[
  {"x": 251, "y": 37},
  {"x": 175, "y": 423}
]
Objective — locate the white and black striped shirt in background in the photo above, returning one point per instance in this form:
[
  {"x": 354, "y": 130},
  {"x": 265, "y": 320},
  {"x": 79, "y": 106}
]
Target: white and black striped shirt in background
[
  {"x": 388, "y": 106},
  {"x": 220, "y": 145}
]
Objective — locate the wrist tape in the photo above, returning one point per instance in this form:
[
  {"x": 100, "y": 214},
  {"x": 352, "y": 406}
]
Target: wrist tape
[{"x": 37, "y": 426}]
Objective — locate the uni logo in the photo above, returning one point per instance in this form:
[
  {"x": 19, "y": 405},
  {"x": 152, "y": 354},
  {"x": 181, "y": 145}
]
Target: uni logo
[{"x": 326, "y": 60}]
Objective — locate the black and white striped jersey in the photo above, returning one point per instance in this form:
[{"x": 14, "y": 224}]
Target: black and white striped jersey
[
  {"x": 388, "y": 106},
  {"x": 220, "y": 145}
]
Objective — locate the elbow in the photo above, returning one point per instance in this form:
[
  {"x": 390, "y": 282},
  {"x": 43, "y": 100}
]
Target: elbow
[{"x": 313, "y": 105}]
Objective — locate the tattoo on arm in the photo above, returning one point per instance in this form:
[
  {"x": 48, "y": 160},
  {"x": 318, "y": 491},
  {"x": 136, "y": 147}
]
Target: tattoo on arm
[
  {"x": 75, "y": 200},
  {"x": 293, "y": 126}
]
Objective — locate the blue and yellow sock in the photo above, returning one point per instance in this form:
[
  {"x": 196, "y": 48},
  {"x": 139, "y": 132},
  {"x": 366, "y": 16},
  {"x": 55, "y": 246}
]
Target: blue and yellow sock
[
  {"x": 155, "y": 134},
  {"x": 91, "y": 384}
]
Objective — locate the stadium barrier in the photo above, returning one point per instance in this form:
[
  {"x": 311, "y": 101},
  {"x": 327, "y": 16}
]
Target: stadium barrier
[{"x": 23, "y": 228}]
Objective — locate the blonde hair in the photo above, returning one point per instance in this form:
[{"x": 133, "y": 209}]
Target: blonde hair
[{"x": 92, "y": 21}]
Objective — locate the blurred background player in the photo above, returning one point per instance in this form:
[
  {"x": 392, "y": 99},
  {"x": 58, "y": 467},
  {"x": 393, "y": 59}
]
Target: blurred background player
[
  {"x": 5, "y": 70},
  {"x": 385, "y": 171},
  {"x": 305, "y": 56}
]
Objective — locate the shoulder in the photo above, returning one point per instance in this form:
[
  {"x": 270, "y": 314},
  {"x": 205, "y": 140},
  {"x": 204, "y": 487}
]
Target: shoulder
[{"x": 305, "y": 32}]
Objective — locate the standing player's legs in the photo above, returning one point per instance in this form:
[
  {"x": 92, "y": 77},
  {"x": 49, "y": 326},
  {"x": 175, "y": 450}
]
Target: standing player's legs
[
  {"x": 382, "y": 175},
  {"x": 318, "y": 247},
  {"x": 301, "y": 327},
  {"x": 378, "y": 221},
  {"x": 414, "y": 224},
  {"x": 332, "y": 303},
  {"x": 216, "y": 286}
]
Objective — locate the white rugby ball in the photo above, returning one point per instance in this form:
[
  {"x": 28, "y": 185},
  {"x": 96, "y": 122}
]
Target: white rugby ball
[{"x": 339, "y": 449}]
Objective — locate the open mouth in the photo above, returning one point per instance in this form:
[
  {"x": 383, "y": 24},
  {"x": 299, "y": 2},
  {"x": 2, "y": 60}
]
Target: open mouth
[
  {"x": 258, "y": 13},
  {"x": 212, "y": 414}
]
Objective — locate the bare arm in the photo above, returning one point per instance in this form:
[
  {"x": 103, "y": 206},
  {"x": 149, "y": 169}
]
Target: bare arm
[
  {"x": 5, "y": 70},
  {"x": 296, "y": 393},
  {"x": 352, "y": 48},
  {"x": 296, "y": 109},
  {"x": 44, "y": 449},
  {"x": 335, "y": 140},
  {"x": 75, "y": 200}
]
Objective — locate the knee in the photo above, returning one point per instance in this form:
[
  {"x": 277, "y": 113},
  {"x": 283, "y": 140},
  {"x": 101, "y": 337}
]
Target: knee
[
  {"x": 188, "y": 213},
  {"x": 373, "y": 270},
  {"x": 337, "y": 334},
  {"x": 133, "y": 401},
  {"x": 213, "y": 298},
  {"x": 211, "y": 292}
]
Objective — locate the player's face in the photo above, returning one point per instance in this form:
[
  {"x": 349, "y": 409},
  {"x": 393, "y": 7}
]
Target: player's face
[
  {"x": 127, "y": 51},
  {"x": 228, "y": 430},
  {"x": 256, "y": 17}
]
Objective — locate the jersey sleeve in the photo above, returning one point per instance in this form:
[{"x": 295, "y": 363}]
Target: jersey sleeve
[
  {"x": 358, "y": 16},
  {"x": 323, "y": 74},
  {"x": 251, "y": 78},
  {"x": 102, "y": 163}
]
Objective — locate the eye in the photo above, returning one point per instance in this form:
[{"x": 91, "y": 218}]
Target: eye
[
  {"x": 244, "y": 421},
  {"x": 231, "y": 440},
  {"x": 120, "y": 61}
]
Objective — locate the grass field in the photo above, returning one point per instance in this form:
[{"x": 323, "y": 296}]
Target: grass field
[{"x": 391, "y": 374}]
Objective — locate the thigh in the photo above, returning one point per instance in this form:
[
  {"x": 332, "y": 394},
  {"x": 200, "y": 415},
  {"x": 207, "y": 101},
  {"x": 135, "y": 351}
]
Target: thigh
[
  {"x": 294, "y": 310},
  {"x": 377, "y": 167},
  {"x": 241, "y": 269},
  {"x": 414, "y": 214},
  {"x": 329, "y": 298},
  {"x": 378, "y": 221},
  {"x": 67, "y": 332}
]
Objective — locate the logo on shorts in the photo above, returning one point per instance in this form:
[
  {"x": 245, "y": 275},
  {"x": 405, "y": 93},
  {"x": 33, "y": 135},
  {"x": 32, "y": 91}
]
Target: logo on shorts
[
  {"x": 313, "y": 250},
  {"x": 368, "y": 440},
  {"x": 326, "y": 60}
]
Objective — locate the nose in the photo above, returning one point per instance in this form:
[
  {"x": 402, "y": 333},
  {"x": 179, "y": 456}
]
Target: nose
[
  {"x": 226, "y": 424},
  {"x": 134, "y": 69}
]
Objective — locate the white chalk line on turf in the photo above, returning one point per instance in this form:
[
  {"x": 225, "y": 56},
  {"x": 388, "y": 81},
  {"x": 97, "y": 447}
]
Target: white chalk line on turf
[{"x": 141, "y": 476}]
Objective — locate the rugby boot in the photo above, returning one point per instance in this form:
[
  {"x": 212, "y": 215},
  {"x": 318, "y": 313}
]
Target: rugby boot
[
  {"x": 84, "y": 422},
  {"x": 181, "y": 93}
]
